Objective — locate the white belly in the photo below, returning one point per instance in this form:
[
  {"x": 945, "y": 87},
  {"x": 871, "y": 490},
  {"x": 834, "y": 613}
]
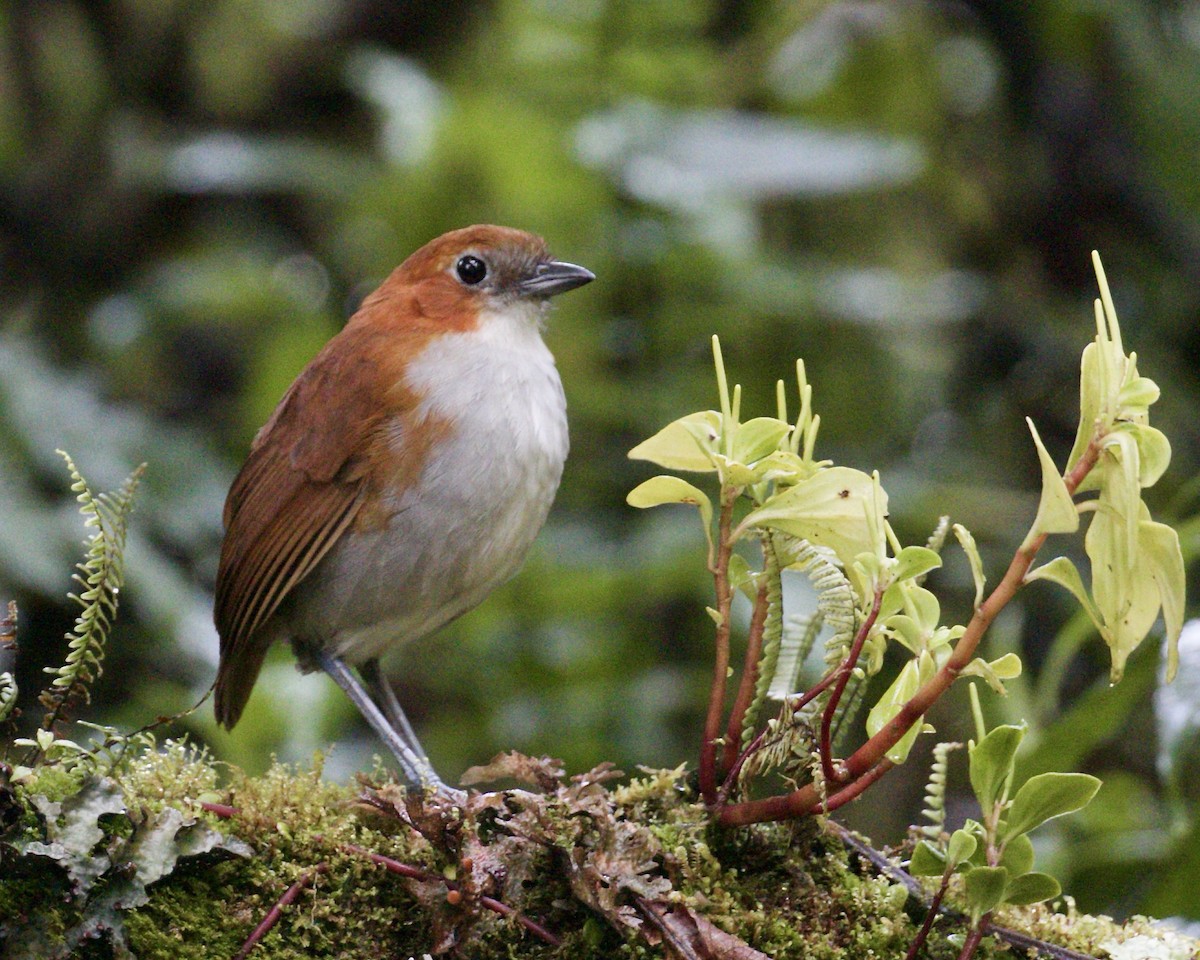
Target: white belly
[{"x": 464, "y": 527}]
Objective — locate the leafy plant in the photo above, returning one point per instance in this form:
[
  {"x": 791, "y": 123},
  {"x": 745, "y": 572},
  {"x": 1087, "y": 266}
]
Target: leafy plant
[
  {"x": 994, "y": 855},
  {"x": 830, "y": 522}
]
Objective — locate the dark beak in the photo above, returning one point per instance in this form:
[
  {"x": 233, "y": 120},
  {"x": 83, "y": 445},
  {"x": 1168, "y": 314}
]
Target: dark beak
[{"x": 555, "y": 277}]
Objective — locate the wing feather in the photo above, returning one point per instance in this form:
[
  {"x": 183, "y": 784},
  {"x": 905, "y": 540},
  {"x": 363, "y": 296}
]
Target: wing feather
[{"x": 300, "y": 489}]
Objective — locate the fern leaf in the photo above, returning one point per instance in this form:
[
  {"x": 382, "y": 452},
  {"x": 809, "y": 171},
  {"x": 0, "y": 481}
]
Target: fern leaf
[
  {"x": 935, "y": 791},
  {"x": 100, "y": 575}
]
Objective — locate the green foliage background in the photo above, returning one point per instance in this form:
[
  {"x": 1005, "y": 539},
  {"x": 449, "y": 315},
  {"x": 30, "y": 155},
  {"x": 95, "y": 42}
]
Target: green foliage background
[{"x": 193, "y": 197}]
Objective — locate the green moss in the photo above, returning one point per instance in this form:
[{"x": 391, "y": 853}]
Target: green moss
[{"x": 573, "y": 859}]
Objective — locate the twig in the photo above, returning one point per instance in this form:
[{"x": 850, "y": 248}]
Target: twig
[
  {"x": 931, "y": 914},
  {"x": 276, "y": 911}
]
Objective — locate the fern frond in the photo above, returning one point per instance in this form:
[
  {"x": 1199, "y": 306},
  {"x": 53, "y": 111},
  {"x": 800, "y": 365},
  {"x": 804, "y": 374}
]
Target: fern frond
[
  {"x": 100, "y": 575},
  {"x": 772, "y": 640},
  {"x": 836, "y": 603},
  {"x": 937, "y": 539},
  {"x": 800, "y": 634},
  {"x": 935, "y": 791}
]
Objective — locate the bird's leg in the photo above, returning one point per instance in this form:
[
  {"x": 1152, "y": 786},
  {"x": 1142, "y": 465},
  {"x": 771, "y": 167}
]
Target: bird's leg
[
  {"x": 382, "y": 693},
  {"x": 414, "y": 766}
]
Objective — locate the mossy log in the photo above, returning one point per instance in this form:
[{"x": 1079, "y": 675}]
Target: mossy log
[{"x": 173, "y": 856}]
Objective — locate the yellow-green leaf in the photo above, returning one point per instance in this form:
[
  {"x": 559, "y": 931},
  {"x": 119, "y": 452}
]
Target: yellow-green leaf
[
  {"x": 685, "y": 444},
  {"x": 1062, "y": 571},
  {"x": 1160, "y": 551},
  {"x": 664, "y": 489},
  {"x": 1056, "y": 510},
  {"x": 833, "y": 508},
  {"x": 757, "y": 438}
]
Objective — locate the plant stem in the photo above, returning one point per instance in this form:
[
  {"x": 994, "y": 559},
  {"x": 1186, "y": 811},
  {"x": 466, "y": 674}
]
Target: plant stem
[
  {"x": 745, "y": 693},
  {"x": 833, "y": 775},
  {"x": 276, "y": 911},
  {"x": 934, "y": 906},
  {"x": 716, "y": 698},
  {"x": 490, "y": 903},
  {"x": 974, "y": 938},
  {"x": 806, "y": 799},
  {"x": 852, "y": 791}
]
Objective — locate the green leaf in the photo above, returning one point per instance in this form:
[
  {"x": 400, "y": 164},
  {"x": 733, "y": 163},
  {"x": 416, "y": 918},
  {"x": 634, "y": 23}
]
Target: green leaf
[
  {"x": 835, "y": 508},
  {"x": 757, "y": 438},
  {"x": 1056, "y": 510},
  {"x": 1140, "y": 392},
  {"x": 927, "y": 861},
  {"x": 1046, "y": 796},
  {"x": 686, "y": 444},
  {"x": 1018, "y": 855},
  {"x": 907, "y": 683},
  {"x": 1091, "y": 393},
  {"x": 1154, "y": 452},
  {"x": 914, "y": 562},
  {"x": 961, "y": 847},
  {"x": 991, "y": 764},
  {"x": 741, "y": 577},
  {"x": 1031, "y": 888},
  {"x": 984, "y": 888},
  {"x": 664, "y": 489}
]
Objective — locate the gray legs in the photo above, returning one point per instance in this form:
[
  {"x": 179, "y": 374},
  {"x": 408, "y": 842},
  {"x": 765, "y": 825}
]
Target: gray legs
[{"x": 390, "y": 724}]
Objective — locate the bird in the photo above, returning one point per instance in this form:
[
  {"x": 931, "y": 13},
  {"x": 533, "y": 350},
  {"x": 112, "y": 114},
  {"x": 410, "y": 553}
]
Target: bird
[{"x": 402, "y": 477}]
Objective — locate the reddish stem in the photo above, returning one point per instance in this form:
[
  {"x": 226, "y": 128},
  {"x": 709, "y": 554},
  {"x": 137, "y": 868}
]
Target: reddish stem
[
  {"x": 934, "y": 906},
  {"x": 851, "y": 791},
  {"x": 843, "y": 677},
  {"x": 276, "y": 911},
  {"x": 716, "y": 697},
  {"x": 974, "y": 938},
  {"x": 741, "y": 703},
  {"x": 803, "y": 801},
  {"x": 491, "y": 903},
  {"x": 799, "y": 703}
]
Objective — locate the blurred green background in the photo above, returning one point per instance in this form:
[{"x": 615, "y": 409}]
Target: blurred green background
[{"x": 194, "y": 197}]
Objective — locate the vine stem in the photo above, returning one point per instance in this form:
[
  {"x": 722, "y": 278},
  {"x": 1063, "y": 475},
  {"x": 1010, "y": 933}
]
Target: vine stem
[
  {"x": 716, "y": 698},
  {"x": 805, "y": 800}
]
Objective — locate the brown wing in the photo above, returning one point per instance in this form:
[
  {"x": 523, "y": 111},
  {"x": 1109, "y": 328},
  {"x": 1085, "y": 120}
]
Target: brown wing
[{"x": 300, "y": 488}]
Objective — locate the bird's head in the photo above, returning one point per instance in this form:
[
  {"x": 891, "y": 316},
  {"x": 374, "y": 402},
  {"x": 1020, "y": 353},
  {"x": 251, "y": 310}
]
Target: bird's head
[{"x": 483, "y": 269}]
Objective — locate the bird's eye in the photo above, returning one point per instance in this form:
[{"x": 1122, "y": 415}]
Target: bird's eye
[{"x": 470, "y": 269}]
